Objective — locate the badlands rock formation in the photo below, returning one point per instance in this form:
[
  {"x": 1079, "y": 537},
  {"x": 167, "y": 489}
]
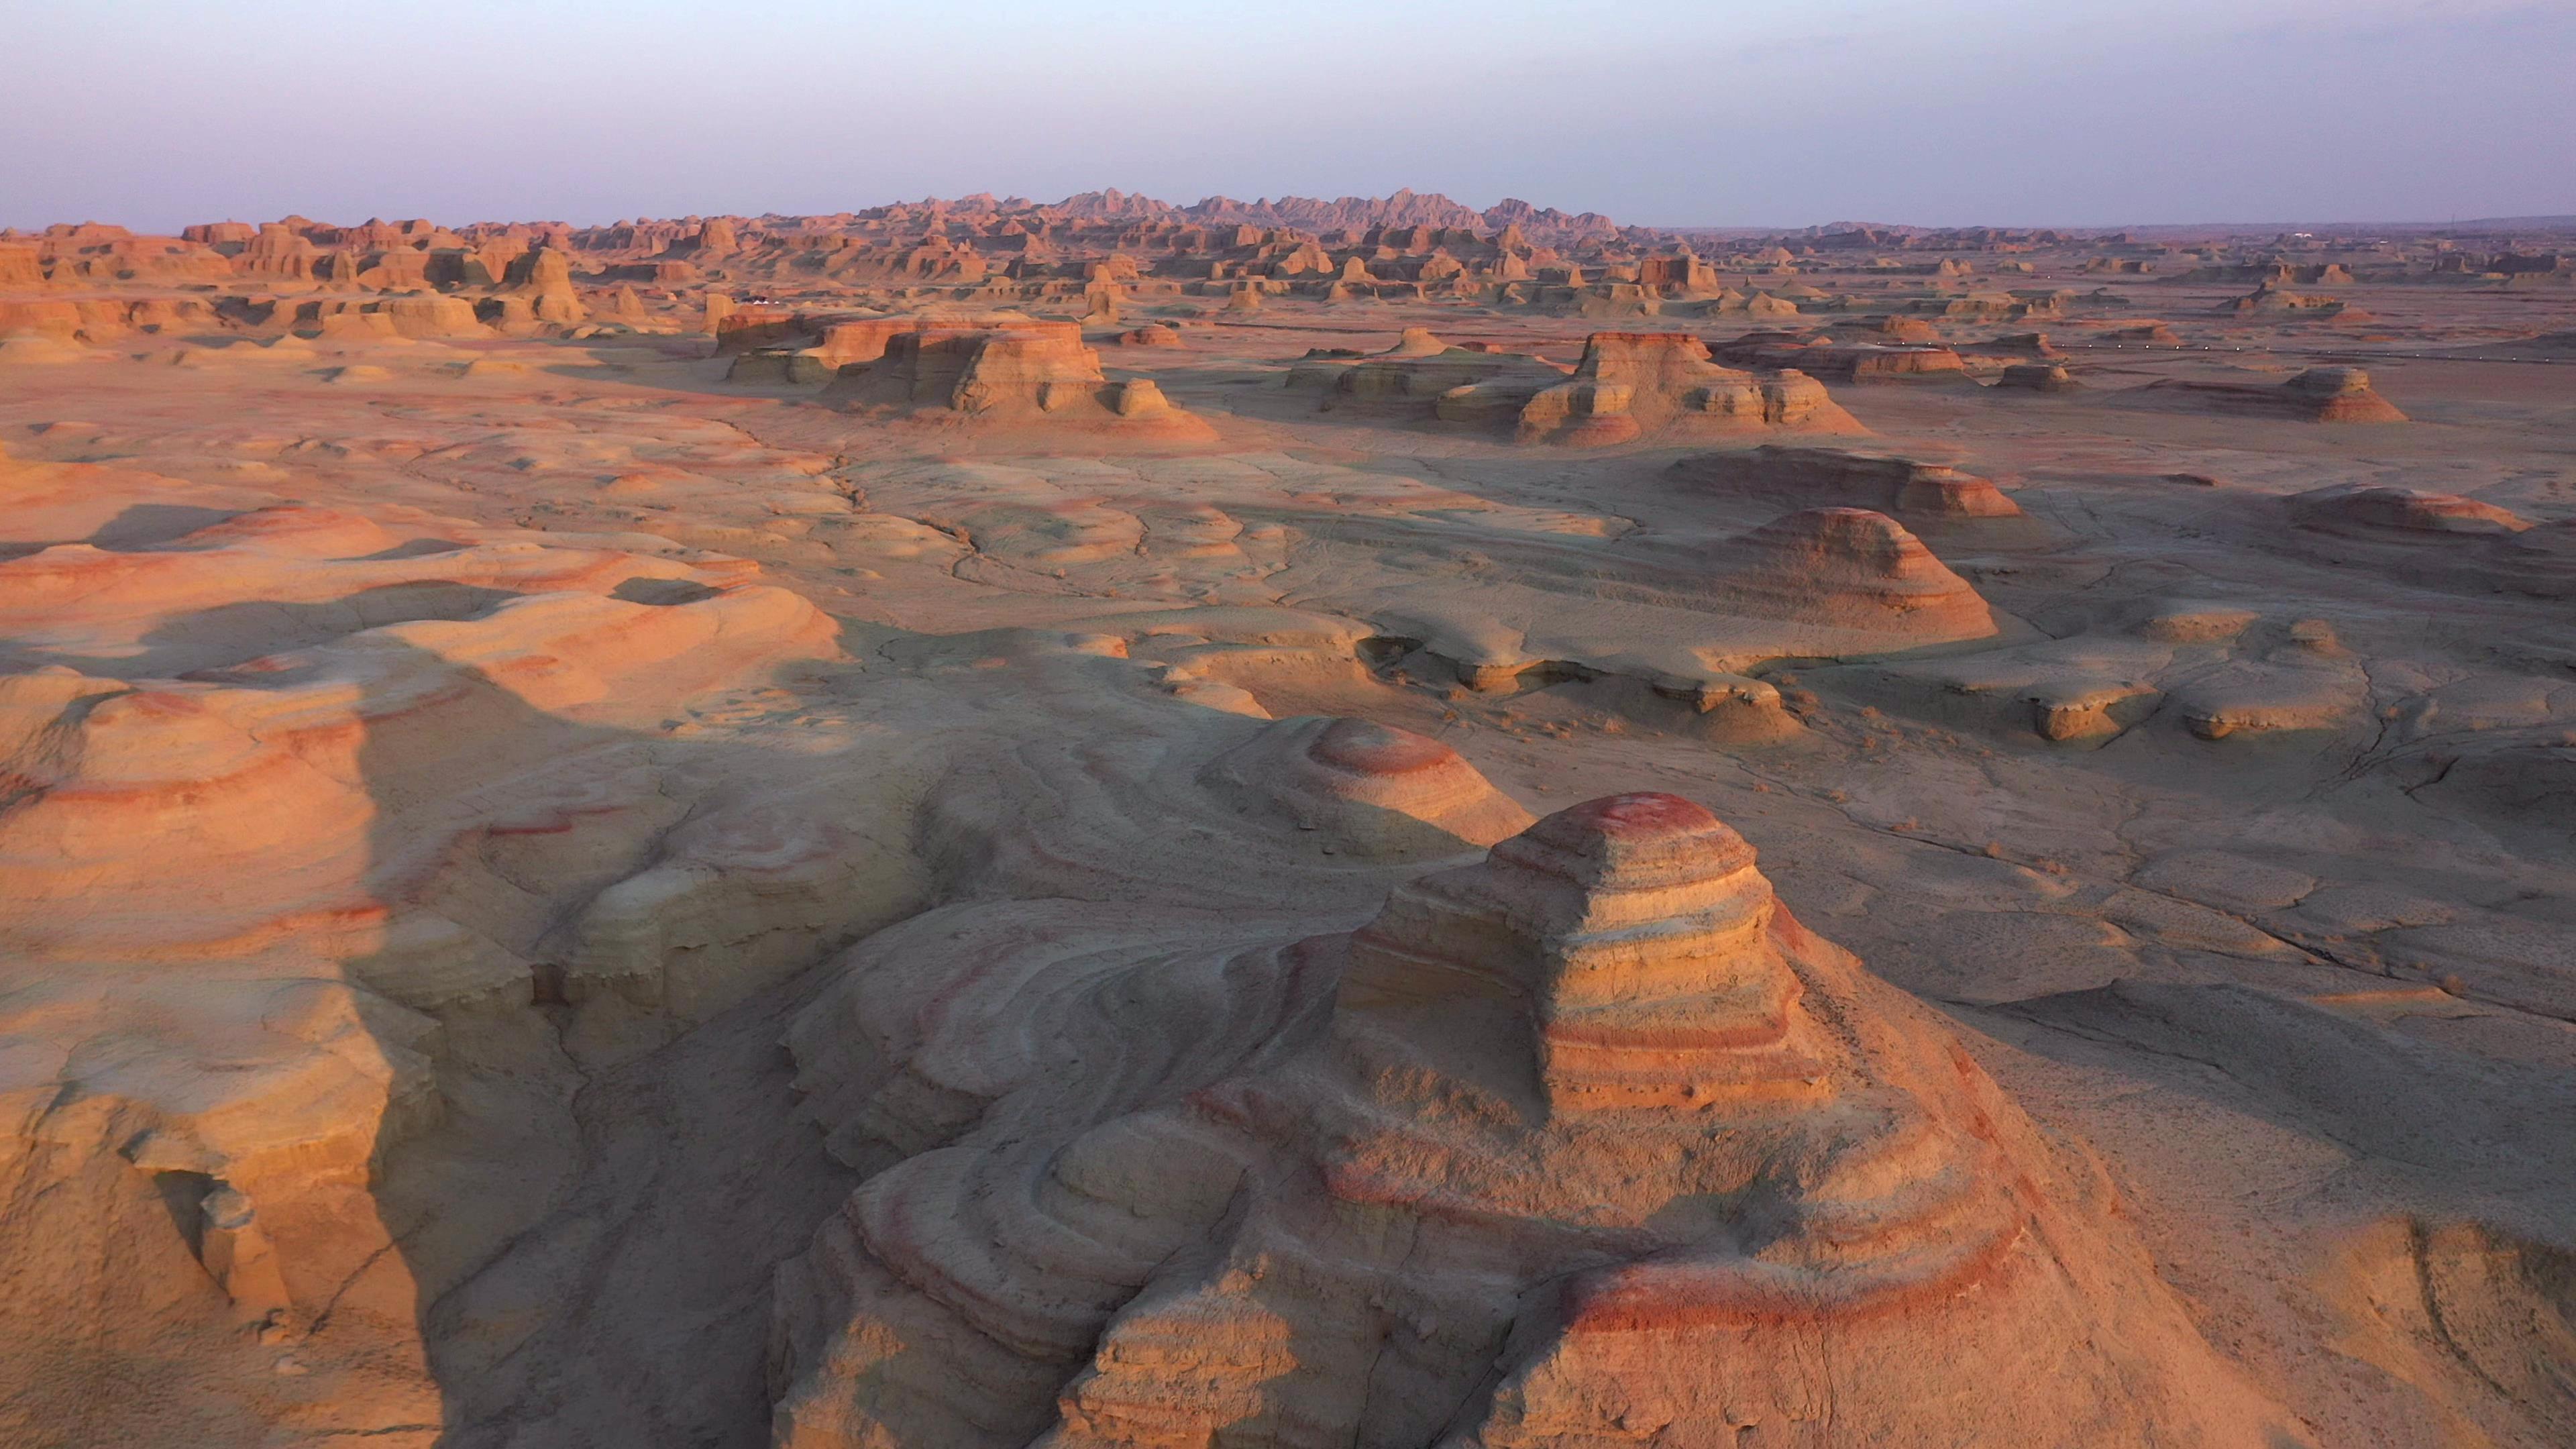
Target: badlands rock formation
[
  {"x": 1004, "y": 370},
  {"x": 798, "y": 830},
  {"x": 2318, "y": 395},
  {"x": 1588, "y": 1141},
  {"x": 1630, "y": 385},
  {"x": 1928, "y": 491}
]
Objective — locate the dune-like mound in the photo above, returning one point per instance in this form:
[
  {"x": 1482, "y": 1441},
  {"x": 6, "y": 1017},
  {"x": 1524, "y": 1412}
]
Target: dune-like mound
[
  {"x": 1388, "y": 791},
  {"x": 36, "y": 349},
  {"x": 1878, "y": 481},
  {"x": 1889, "y": 328},
  {"x": 1845, "y": 361},
  {"x": 1632, "y": 385},
  {"x": 1005, "y": 371},
  {"x": 422, "y": 316},
  {"x": 2540, "y": 561},
  {"x": 2023, "y": 344},
  {"x": 1322, "y": 805},
  {"x": 2038, "y": 377},
  {"x": 2318, "y": 395},
  {"x": 1849, "y": 568},
  {"x": 1687, "y": 614},
  {"x": 2441, "y": 539},
  {"x": 239, "y": 689},
  {"x": 1412, "y": 377},
  {"x": 1590, "y": 1142},
  {"x": 287, "y": 575},
  {"x": 2271, "y": 300},
  {"x": 2379, "y": 510},
  {"x": 2140, "y": 334}
]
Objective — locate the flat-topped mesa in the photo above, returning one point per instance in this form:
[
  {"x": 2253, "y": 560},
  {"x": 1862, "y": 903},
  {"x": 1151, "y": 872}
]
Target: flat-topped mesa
[
  {"x": 1865, "y": 480},
  {"x": 1630, "y": 937},
  {"x": 1629, "y": 385},
  {"x": 1004, "y": 369}
]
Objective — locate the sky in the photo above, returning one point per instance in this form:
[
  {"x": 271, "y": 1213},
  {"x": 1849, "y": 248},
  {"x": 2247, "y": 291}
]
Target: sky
[{"x": 157, "y": 113}]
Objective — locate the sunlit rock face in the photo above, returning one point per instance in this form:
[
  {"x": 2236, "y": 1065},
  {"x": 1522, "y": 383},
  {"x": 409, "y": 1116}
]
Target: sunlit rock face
[
  {"x": 1589, "y": 1141},
  {"x": 1005, "y": 371}
]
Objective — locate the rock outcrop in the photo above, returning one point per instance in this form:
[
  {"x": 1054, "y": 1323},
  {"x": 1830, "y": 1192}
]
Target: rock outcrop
[
  {"x": 1849, "y": 569},
  {"x": 2038, "y": 377},
  {"x": 2318, "y": 395},
  {"x": 846, "y": 342},
  {"x": 1410, "y": 378},
  {"x": 2440, "y": 539},
  {"x": 541, "y": 279},
  {"x": 1835, "y": 361},
  {"x": 1633, "y": 385},
  {"x": 1901, "y": 486},
  {"x": 2366, "y": 510},
  {"x": 1590, "y": 1142},
  {"x": 1005, "y": 371}
]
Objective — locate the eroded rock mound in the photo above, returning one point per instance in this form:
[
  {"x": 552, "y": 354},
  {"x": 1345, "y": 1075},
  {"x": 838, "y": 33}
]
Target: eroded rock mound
[
  {"x": 1843, "y": 361},
  {"x": 2374, "y": 509},
  {"x": 1412, "y": 377},
  {"x": 1631, "y": 385},
  {"x": 2440, "y": 539},
  {"x": 839, "y": 343},
  {"x": 1861, "y": 480},
  {"x": 1851, "y": 568},
  {"x": 2038, "y": 377},
  {"x": 1590, "y": 1142},
  {"x": 1323, "y": 805},
  {"x": 1005, "y": 370},
  {"x": 2318, "y": 395}
]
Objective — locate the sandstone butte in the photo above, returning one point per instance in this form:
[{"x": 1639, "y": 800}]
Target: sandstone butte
[{"x": 993, "y": 823}]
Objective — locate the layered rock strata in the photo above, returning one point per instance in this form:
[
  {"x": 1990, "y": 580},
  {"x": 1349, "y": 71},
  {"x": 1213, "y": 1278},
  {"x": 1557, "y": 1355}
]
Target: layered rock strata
[
  {"x": 1004, "y": 370},
  {"x": 2318, "y": 395},
  {"x": 1632, "y": 385},
  {"x": 1587, "y": 1143},
  {"x": 1901, "y": 486}
]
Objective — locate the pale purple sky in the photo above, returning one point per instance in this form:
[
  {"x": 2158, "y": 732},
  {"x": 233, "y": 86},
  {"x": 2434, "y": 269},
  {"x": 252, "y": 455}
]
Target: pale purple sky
[{"x": 156, "y": 113}]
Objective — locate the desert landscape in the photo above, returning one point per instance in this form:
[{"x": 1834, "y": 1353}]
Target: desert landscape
[{"x": 981, "y": 823}]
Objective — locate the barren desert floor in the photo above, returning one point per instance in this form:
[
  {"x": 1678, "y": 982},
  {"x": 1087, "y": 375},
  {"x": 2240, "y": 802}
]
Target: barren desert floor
[{"x": 987, "y": 829}]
